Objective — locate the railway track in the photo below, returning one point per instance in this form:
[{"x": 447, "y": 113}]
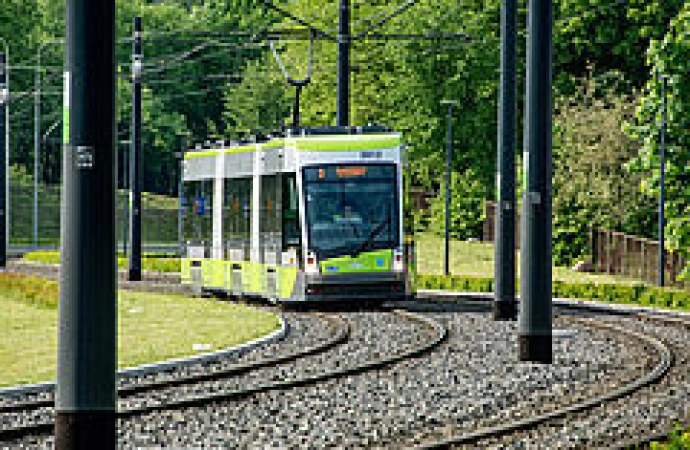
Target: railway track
[
  {"x": 672, "y": 367},
  {"x": 243, "y": 381},
  {"x": 605, "y": 412}
]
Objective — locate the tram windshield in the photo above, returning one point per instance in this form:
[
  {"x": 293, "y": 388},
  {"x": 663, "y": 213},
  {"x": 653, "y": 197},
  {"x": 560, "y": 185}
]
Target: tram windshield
[{"x": 351, "y": 208}]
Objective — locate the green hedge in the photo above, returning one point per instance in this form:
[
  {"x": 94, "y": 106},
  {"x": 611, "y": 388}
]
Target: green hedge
[
  {"x": 153, "y": 262},
  {"x": 636, "y": 294}
]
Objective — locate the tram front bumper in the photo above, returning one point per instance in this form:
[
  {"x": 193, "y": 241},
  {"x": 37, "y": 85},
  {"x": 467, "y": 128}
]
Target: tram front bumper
[{"x": 365, "y": 286}]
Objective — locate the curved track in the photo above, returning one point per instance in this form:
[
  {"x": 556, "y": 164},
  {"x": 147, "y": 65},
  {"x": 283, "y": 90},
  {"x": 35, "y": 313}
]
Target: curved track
[
  {"x": 669, "y": 359},
  {"x": 658, "y": 372},
  {"x": 162, "y": 396}
]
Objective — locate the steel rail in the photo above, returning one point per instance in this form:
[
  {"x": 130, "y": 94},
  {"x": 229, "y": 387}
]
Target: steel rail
[
  {"x": 666, "y": 361},
  {"x": 663, "y": 436},
  {"x": 438, "y": 335}
]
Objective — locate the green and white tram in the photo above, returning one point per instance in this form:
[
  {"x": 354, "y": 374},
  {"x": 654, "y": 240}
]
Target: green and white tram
[{"x": 314, "y": 215}]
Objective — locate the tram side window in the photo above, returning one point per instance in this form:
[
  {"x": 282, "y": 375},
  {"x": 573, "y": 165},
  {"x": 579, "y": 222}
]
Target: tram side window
[
  {"x": 197, "y": 212},
  {"x": 236, "y": 218},
  {"x": 292, "y": 233},
  {"x": 270, "y": 213}
]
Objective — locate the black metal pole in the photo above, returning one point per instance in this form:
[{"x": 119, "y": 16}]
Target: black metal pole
[
  {"x": 505, "y": 305},
  {"x": 535, "y": 326},
  {"x": 125, "y": 199},
  {"x": 662, "y": 182},
  {"x": 4, "y": 101},
  {"x": 449, "y": 158},
  {"x": 343, "y": 112},
  {"x": 87, "y": 336},
  {"x": 181, "y": 201},
  {"x": 295, "y": 109},
  {"x": 135, "y": 169}
]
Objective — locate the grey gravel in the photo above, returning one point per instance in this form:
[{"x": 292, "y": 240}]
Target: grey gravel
[
  {"x": 654, "y": 409},
  {"x": 471, "y": 381}
]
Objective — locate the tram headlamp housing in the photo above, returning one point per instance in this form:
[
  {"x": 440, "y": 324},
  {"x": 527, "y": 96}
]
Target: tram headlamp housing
[
  {"x": 311, "y": 264},
  {"x": 398, "y": 265}
]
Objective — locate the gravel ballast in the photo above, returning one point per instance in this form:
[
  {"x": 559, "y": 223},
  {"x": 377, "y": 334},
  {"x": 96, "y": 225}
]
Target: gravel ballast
[{"x": 472, "y": 380}]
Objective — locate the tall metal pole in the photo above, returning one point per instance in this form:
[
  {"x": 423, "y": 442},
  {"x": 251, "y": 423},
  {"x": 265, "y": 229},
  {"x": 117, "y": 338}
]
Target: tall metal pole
[
  {"x": 181, "y": 200},
  {"x": 449, "y": 161},
  {"x": 662, "y": 182},
  {"x": 343, "y": 112},
  {"x": 125, "y": 200},
  {"x": 37, "y": 145},
  {"x": 87, "y": 341},
  {"x": 6, "y": 209},
  {"x": 535, "y": 325},
  {"x": 135, "y": 169},
  {"x": 4, "y": 123},
  {"x": 505, "y": 305}
]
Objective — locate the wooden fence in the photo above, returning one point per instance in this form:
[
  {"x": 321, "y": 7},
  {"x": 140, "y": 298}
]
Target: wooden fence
[
  {"x": 488, "y": 228},
  {"x": 634, "y": 257},
  {"x": 615, "y": 253}
]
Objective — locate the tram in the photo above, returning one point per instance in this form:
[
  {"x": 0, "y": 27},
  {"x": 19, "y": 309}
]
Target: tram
[{"x": 311, "y": 215}]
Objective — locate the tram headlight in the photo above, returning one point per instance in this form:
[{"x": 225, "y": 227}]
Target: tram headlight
[
  {"x": 311, "y": 265},
  {"x": 398, "y": 265}
]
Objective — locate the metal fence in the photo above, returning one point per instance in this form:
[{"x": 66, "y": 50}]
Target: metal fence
[{"x": 159, "y": 218}]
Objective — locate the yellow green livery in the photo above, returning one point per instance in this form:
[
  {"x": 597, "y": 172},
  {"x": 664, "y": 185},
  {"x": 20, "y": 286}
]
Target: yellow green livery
[{"x": 311, "y": 215}]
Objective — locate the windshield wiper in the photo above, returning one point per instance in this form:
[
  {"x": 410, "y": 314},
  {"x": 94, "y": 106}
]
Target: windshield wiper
[{"x": 373, "y": 235}]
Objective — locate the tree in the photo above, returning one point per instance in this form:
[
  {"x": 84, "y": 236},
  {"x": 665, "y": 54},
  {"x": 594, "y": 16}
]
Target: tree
[
  {"x": 467, "y": 197},
  {"x": 668, "y": 57},
  {"x": 591, "y": 185}
]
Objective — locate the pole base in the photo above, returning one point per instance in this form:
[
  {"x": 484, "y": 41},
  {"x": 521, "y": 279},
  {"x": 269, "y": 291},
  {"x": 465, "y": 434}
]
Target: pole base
[
  {"x": 535, "y": 348},
  {"x": 134, "y": 275},
  {"x": 505, "y": 310},
  {"x": 85, "y": 430}
]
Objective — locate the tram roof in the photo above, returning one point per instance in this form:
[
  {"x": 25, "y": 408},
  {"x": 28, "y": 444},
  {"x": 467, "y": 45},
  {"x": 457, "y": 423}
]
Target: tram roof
[{"x": 339, "y": 139}]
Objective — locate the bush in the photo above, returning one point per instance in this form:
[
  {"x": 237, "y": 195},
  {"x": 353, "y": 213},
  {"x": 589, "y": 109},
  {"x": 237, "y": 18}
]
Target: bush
[
  {"x": 466, "y": 207},
  {"x": 678, "y": 440},
  {"x": 35, "y": 291},
  {"x": 636, "y": 294},
  {"x": 153, "y": 262}
]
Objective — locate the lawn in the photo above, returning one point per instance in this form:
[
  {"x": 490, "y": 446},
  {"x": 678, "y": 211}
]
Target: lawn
[
  {"x": 151, "y": 327},
  {"x": 476, "y": 259}
]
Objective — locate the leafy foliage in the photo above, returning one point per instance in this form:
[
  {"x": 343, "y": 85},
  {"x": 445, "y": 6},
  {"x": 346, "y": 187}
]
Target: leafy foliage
[
  {"x": 218, "y": 87},
  {"x": 668, "y": 57},
  {"x": 467, "y": 197},
  {"x": 591, "y": 185}
]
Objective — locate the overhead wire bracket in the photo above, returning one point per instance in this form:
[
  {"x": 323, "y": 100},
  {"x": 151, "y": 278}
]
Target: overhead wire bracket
[{"x": 297, "y": 83}]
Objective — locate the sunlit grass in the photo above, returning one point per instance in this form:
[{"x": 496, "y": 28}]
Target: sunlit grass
[
  {"x": 476, "y": 259},
  {"x": 151, "y": 327}
]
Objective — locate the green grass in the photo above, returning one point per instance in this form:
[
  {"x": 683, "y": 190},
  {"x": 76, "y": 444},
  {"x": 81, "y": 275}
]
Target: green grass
[
  {"x": 151, "y": 262},
  {"x": 152, "y": 327},
  {"x": 476, "y": 259}
]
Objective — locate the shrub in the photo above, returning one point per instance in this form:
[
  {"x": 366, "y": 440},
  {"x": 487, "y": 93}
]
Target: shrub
[
  {"x": 638, "y": 294},
  {"x": 154, "y": 262},
  {"x": 35, "y": 291}
]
